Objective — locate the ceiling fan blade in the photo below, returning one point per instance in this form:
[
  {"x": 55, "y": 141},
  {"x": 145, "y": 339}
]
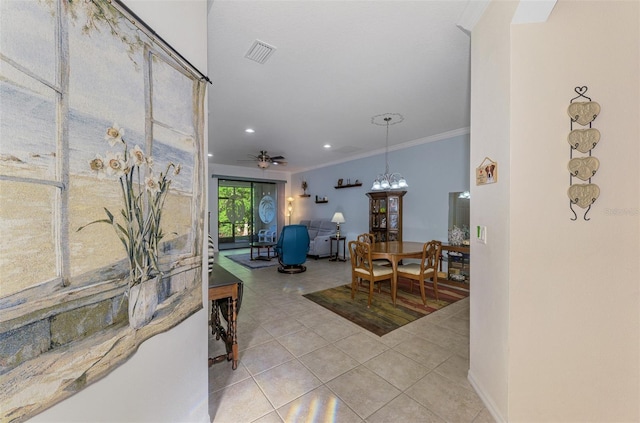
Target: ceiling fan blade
[{"x": 277, "y": 159}]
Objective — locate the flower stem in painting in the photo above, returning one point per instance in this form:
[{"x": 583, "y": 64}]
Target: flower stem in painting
[{"x": 139, "y": 225}]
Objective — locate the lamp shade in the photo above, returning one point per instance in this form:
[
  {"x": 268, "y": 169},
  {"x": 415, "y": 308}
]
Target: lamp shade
[{"x": 338, "y": 218}]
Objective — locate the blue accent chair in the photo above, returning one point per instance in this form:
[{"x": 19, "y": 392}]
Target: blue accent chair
[{"x": 292, "y": 249}]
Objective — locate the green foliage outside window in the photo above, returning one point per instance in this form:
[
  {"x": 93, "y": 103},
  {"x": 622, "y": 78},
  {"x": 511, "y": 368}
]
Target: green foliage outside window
[{"x": 234, "y": 210}]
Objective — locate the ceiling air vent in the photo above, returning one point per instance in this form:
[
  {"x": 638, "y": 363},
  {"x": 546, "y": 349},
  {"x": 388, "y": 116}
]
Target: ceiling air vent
[{"x": 260, "y": 51}]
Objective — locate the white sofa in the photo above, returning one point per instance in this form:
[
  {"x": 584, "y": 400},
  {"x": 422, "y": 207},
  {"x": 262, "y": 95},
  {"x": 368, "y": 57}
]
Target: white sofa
[{"x": 319, "y": 233}]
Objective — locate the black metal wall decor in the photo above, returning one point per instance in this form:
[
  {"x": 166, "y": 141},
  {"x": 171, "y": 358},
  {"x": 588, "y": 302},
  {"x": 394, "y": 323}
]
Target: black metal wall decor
[{"x": 583, "y": 140}]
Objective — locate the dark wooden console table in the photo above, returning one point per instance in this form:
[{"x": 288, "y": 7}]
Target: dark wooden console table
[
  {"x": 466, "y": 251},
  {"x": 224, "y": 285}
]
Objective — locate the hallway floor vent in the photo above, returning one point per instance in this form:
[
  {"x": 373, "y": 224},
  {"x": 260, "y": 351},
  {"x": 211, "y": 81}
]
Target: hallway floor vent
[{"x": 260, "y": 51}]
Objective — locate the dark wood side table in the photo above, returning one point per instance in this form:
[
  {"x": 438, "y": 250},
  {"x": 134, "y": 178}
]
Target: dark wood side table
[
  {"x": 223, "y": 284},
  {"x": 337, "y": 240},
  {"x": 258, "y": 246}
]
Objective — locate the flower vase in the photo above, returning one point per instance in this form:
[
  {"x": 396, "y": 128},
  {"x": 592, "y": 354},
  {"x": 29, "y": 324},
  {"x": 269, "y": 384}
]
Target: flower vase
[
  {"x": 456, "y": 236},
  {"x": 143, "y": 301}
]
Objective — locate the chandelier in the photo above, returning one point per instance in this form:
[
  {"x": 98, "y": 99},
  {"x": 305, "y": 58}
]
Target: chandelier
[{"x": 388, "y": 180}]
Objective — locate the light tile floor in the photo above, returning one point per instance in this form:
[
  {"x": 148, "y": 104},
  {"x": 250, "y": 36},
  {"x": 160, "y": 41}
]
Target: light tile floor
[{"x": 302, "y": 363}]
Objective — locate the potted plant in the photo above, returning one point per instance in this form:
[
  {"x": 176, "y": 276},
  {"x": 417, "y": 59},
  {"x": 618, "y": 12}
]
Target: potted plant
[{"x": 138, "y": 223}]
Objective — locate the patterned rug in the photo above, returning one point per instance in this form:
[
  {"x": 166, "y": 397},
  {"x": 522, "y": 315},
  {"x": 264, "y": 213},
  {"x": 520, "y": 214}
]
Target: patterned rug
[
  {"x": 245, "y": 260},
  {"x": 383, "y": 317}
]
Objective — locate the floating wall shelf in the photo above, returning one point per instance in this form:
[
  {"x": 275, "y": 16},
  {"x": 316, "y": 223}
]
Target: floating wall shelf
[{"x": 348, "y": 186}]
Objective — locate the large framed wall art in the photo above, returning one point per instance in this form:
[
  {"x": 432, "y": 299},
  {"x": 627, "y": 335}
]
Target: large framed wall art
[{"x": 101, "y": 187}]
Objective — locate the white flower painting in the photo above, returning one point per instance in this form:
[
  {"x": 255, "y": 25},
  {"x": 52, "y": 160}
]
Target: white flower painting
[{"x": 88, "y": 98}]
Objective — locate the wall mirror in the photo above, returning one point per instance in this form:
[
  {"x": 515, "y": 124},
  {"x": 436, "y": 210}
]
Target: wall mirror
[{"x": 459, "y": 206}]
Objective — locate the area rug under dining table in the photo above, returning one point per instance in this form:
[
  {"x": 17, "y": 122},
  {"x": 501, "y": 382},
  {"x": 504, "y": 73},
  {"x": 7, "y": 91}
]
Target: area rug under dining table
[{"x": 382, "y": 317}]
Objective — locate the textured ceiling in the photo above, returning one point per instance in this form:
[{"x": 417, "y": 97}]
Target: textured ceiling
[{"x": 337, "y": 64}]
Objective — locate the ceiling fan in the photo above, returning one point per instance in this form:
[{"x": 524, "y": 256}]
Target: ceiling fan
[{"x": 264, "y": 160}]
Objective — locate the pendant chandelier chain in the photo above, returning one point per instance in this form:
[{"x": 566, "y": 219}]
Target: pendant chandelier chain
[
  {"x": 386, "y": 149},
  {"x": 388, "y": 180}
]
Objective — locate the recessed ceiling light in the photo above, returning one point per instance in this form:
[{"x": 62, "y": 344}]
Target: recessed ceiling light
[
  {"x": 327, "y": 146},
  {"x": 249, "y": 131},
  {"x": 210, "y": 155}
]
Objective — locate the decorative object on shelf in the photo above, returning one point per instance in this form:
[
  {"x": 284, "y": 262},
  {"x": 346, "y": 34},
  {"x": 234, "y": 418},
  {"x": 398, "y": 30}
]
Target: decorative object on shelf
[
  {"x": 338, "y": 218},
  {"x": 487, "y": 172},
  {"x": 393, "y": 205},
  {"x": 340, "y": 182},
  {"x": 290, "y": 208},
  {"x": 388, "y": 180},
  {"x": 456, "y": 236},
  {"x": 321, "y": 200},
  {"x": 348, "y": 184},
  {"x": 584, "y": 141},
  {"x": 139, "y": 231},
  {"x": 304, "y": 186}
]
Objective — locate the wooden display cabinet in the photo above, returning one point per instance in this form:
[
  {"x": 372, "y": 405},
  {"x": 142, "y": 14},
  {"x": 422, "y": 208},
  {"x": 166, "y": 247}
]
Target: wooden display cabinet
[{"x": 385, "y": 215}]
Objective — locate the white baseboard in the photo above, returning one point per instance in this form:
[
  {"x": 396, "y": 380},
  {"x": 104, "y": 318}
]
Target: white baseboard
[{"x": 491, "y": 407}]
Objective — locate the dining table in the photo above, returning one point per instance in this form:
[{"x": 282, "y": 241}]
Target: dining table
[{"x": 395, "y": 252}]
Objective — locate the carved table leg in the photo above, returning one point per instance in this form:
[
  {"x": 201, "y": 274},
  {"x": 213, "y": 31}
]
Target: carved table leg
[{"x": 233, "y": 334}]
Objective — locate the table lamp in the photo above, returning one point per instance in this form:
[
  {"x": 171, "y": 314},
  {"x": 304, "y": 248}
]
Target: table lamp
[{"x": 338, "y": 218}]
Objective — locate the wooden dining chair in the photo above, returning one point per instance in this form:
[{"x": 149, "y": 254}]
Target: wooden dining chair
[
  {"x": 363, "y": 269},
  {"x": 365, "y": 237},
  {"x": 370, "y": 239},
  {"x": 426, "y": 269}
]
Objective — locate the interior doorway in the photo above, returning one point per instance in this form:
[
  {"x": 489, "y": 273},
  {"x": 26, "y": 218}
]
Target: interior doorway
[{"x": 244, "y": 208}]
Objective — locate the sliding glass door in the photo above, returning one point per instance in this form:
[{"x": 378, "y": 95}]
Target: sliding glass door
[{"x": 244, "y": 208}]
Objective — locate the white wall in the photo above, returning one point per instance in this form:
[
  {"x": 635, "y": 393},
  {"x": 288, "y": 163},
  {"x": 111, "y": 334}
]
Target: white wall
[
  {"x": 432, "y": 169},
  {"x": 557, "y": 338},
  {"x": 490, "y": 103},
  {"x": 166, "y": 379}
]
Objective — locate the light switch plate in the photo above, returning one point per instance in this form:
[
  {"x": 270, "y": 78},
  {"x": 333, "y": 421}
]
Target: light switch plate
[{"x": 481, "y": 234}]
